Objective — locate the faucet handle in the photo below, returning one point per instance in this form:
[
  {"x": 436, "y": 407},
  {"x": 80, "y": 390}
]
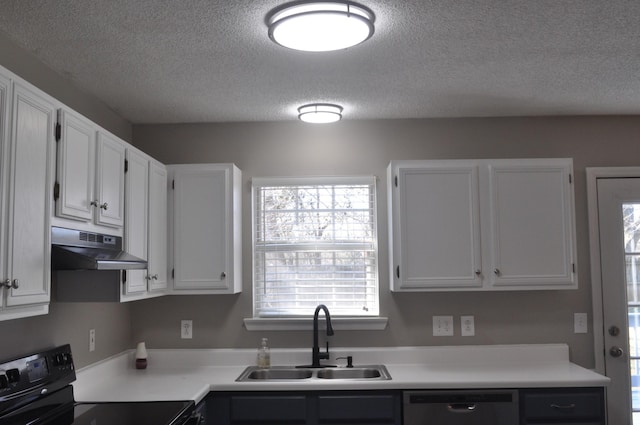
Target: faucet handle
[{"x": 349, "y": 360}]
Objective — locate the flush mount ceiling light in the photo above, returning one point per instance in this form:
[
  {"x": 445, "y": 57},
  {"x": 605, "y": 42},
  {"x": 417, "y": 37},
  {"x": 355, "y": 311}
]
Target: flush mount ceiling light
[
  {"x": 320, "y": 26},
  {"x": 320, "y": 113}
]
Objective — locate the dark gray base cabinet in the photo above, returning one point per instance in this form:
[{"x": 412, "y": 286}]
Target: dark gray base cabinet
[
  {"x": 305, "y": 407},
  {"x": 562, "y": 406}
]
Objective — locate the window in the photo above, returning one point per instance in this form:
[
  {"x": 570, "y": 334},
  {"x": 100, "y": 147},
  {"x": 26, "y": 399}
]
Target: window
[{"x": 315, "y": 242}]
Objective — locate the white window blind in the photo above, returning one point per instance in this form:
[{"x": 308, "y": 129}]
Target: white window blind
[{"x": 315, "y": 242}]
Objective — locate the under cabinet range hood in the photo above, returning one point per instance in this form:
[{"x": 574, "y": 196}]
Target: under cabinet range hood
[{"x": 80, "y": 250}]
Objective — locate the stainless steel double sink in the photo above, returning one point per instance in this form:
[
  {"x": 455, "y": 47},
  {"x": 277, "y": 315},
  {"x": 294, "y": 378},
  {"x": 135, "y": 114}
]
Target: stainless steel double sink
[{"x": 289, "y": 373}]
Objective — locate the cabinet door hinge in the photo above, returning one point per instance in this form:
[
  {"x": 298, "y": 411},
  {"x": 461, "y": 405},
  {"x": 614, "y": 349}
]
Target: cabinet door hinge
[
  {"x": 398, "y": 272},
  {"x": 56, "y": 191},
  {"x": 173, "y": 273},
  {"x": 573, "y": 266},
  {"x": 124, "y": 276},
  {"x": 396, "y": 181},
  {"x": 173, "y": 184},
  {"x": 58, "y": 132},
  {"x": 126, "y": 165},
  {"x": 570, "y": 179}
]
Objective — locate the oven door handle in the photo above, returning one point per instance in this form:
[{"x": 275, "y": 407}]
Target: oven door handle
[{"x": 461, "y": 407}]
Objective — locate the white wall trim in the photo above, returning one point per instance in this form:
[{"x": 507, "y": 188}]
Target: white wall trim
[
  {"x": 306, "y": 324},
  {"x": 593, "y": 174}
]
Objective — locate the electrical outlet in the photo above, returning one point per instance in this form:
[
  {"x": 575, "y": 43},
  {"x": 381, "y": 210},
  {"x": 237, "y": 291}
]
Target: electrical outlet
[
  {"x": 580, "y": 323},
  {"x": 467, "y": 326},
  {"x": 92, "y": 340},
  {"x": 186, "y": 329},
  {"x": 442, "y": 325}
]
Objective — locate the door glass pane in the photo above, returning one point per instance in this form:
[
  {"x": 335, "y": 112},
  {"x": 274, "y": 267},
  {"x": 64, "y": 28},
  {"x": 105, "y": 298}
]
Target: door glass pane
[{"x": 631, "y": 218}]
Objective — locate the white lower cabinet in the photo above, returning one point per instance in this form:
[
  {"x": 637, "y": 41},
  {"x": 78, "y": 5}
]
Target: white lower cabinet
[
  {"x": 27, "y": 151},
  {"x": 145, "y": 225},
  {"x": 206, "y": 233},
  {"x": 482, "y": 225}
]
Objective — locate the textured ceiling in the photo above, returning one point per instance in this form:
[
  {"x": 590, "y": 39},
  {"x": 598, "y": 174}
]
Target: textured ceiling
[{"x": 167, "y": 61}]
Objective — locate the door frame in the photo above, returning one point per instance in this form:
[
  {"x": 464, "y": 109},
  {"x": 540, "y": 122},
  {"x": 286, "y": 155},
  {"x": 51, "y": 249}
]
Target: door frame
[{"x": 593, "y": 174}]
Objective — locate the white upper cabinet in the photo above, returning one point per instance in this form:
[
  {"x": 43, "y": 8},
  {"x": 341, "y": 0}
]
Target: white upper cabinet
[
  {"x": 27, "y": 166},
  {"x": 532, "y": 230},
  {"x": 481, "y": 225},
  {"x": 109, "y": 210},
  {"x": 206, "y": 230},
  {"x": 90, "y": 174},
  {"x": 145, "y": 225},
  {"x": 136, "y": 218},
  {"x": 157, "y": 249},
  {"x": 436, "y": 226},
  {"x": 76, "y": 166}
]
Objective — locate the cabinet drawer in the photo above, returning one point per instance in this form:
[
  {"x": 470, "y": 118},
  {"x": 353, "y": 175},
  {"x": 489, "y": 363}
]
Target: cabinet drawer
[
  {"x": 369, "y": 408},
  {"x": 575, "y": 404},
  {"x": 263, "y": 409}
]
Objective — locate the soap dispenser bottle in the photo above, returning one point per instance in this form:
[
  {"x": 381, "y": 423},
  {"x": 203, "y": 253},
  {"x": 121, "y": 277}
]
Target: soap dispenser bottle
[{"x": 264, "y": 356}]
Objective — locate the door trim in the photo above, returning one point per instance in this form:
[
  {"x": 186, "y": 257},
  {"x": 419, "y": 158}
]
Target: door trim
[{"x": 593, "y": 174}]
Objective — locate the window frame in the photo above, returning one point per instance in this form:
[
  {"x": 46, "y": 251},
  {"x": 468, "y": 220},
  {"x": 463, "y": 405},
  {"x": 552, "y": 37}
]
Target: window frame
[{"x": 370, "y": 320}]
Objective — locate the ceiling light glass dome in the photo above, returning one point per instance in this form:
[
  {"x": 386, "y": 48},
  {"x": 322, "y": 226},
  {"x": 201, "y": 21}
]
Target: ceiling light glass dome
[
  {"x": 320, "y": 113},
  {"x": 320, "y": 26}
]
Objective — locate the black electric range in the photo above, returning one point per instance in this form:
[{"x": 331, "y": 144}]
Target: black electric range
[{"x": 36, "y": 390}]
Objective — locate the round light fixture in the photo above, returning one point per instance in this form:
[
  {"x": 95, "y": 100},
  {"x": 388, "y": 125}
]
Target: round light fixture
[
  {"x": 320, "y": 113},
  {"x": 320, "y": 26}
]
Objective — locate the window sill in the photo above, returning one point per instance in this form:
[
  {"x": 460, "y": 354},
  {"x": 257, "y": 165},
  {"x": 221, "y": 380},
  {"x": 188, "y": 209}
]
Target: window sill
[{"x": 306, "y": 324}]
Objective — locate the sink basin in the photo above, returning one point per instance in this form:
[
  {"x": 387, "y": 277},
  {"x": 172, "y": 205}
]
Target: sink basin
[
  {"x": 283, "y": 373},
  {"x": 253, "y": 373},
  {"x": 379, "y": 372}
]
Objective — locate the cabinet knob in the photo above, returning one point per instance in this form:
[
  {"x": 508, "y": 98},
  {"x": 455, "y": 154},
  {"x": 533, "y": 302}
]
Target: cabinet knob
[
  {"x": 15, "y": 284},
  {"x": 616, "y": 352},
  {"x": 6, "y": 283},
  {"x": 104, "y": 206},
  {"x": 496, "y": 272},
  {"x": 478, "y": 272},
  {"x": 223, "y": 275},
  {"x": 614, "y": 331},
  {"x": 155, "y": 276},
  {"x": 94, "y": 203}
]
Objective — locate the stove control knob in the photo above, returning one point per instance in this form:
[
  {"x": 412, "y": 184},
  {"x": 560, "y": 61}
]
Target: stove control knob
[
  {"x": 13, "y": 375},
  {"x": 4, "y": 381}
]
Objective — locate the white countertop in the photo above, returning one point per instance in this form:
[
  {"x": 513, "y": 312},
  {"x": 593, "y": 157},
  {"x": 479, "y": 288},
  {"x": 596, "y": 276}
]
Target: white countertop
[{"x": 174, "y": 374}]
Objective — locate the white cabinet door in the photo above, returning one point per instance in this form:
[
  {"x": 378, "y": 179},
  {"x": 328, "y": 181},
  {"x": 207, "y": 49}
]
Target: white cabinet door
[
  {"x": 109, "y": 181},
  {"x": 482, "y": 225},
  {"x": 31, "y": 153},
  {"x": 157, "y": 248},
  {"x": 5, "y": 126},
  {"x": 137, "y": 210},
  {"x": 532, "y": 231},
  {"x": 76, "y": 166},
  {"x": 206, "y": 228},
  {"x": 436, "y": 234}
]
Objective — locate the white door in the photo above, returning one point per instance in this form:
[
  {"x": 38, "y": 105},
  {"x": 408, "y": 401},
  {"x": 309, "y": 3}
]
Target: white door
[
  {"x": 110, "y": 181},
  {"x": 30, "y": 196},
  {"x": 76, "y": 167},
  {"x": 619, "y": 232},
  {"x": 436, "y": 203},
  {"x": 136, "y": 229},
  {"x": 157, "y": 226},
  {"x": 532, "y": 225}
]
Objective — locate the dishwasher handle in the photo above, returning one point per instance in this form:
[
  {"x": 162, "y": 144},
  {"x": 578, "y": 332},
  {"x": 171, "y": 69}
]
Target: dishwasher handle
[{"x": 461, "y": 407}]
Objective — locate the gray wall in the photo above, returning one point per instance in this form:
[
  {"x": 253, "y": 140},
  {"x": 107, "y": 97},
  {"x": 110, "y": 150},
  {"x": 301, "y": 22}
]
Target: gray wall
[
  {"x": 27, "y": 66},
  {"x": 66, "y": 323},
  {"x": 296, "y": 149}
]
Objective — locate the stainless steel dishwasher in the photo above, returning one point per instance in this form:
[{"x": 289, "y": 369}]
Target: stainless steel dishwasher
[{"x": 461, "y": 407}]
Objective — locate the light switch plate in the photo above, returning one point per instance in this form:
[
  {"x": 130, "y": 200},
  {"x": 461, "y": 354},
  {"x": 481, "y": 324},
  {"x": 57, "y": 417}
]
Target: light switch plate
[
  {"x": 442, "y": 325},
  {"x": 580, "y": 325},
  {"x": 467, "y": 326}
]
